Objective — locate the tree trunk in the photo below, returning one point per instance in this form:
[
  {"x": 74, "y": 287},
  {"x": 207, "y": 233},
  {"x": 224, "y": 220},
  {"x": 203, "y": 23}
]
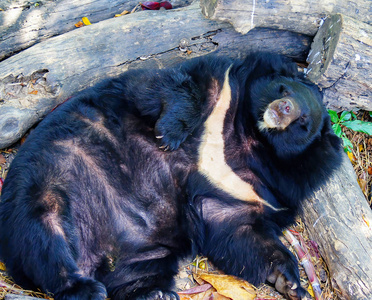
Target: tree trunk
[
  {"x": 25, "y": 23},
  {"x": 35, "y": 80},
  {"x": 340, "y": 61},
  {"x": 339, "y": 219},
  {"x": 303, "y": 16}
]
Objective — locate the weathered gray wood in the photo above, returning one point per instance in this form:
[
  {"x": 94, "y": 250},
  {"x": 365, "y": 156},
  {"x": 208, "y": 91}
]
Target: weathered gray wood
[
  {"x": 19, "y": 297},
  {"x": 303, "y": 16},
  {"x": 339, "y": 219},
  {"x": 24, "y": 23},
  {"x": 340, "y": 61},
  {"x": 60, "y": 66}
]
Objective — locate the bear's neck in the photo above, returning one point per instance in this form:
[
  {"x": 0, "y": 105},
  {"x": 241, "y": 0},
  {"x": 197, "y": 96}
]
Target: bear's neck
[{"x": 212, "y": 163}]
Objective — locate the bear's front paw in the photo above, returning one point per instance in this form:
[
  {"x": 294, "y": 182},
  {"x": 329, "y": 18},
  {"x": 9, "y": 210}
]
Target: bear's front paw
[
  {"x": 171, "y": 133},
  {"x": 159, "y": 295},
  {"x": 285, "y": 278}
]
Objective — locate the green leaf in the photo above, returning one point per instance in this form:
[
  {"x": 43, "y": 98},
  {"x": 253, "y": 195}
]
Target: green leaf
[
  {"x": 334, "y": 116},
  {"x": 370, "y": 114},
  {"x": 345, "y": 116},
  {"x": 354, "y": 115},
  {"x": 348, "y": 146},
  {"x": 337, "y": 129},
  {"x": 360, "y": 126}
]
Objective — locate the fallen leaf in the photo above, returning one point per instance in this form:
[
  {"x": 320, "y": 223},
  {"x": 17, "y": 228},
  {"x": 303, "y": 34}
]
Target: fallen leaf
[
  {"x": 33, "y": 92},
  {"x": 79, "y": 24},
  {"x": 310, "y": 291},
  {"x": 360, "y": 147},
  {"x": 125, "y": 12},
  {"x": 217, "y": 296},
  {"x": 230, "y": 286},
  {"x": 166, "y": 5},
  {"x": 2, "y": 159},
  {"x": 2, "y": 266},
  {"x": 152, "y": 5},
  {"x": 199, "y": 296},
  {"x": 351, "y": 156},
  {"x": 369, "y": 170},
  {"x": 86, "y": 21},
  {"x": 195, "y": 290}
]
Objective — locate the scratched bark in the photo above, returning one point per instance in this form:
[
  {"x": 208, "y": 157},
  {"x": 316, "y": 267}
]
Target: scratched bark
[
  {"x": 339, "y": 219},
  {"x": 340, "y": 61},
  {"x": 303, "y": 16}
]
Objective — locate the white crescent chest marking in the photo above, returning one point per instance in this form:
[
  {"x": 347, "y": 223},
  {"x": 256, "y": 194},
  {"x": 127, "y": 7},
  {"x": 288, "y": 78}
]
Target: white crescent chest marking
[{"x": 212, "y": 163}]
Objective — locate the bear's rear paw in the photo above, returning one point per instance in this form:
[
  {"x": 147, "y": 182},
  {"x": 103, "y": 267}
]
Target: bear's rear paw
[
  {"x": 83, "y": 289},
  {"x": 159, "y": 295},
  {"x": 286, "y": 281}
]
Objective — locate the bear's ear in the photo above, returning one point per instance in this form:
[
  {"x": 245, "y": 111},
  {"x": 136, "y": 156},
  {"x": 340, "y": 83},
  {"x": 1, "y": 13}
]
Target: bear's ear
[{"x": 258, "y": 65}]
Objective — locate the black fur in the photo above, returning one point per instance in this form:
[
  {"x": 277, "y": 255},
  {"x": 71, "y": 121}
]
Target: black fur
[{"x": 91, "y": 202}]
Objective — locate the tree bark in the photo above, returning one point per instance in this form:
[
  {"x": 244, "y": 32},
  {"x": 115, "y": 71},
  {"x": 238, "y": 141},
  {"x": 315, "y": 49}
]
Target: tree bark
[
  {"x": 19, "y": 297},
  {"x": 340, "y": 61},
  {"x": 35, "y": 80},
  {"x": 25, "y": 23},
  {"x": 303, "y": 16},
  {"x": 339, "y": 219}
]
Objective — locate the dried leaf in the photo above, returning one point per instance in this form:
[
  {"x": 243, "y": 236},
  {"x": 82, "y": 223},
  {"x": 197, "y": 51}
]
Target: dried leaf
[
  {"x": 217, "y": 296},
  {"x": 125, "y": 12},
  {"x": 2, "y": 159},
  {"x": 199, "y": 296},
  {"x": 152, "y": 5},
  {"x": 79, "y": 24},
  {"x": 362, "y": 184},
  {"x": 86, "y": 21},
  {"x": 351, "y": 156},
  {"x": 231, "y": 286},
  {"x": 166, "y": 5},
  {"x": 360, "y": 147},
  {"x": 195, "y": 290},
  {"x": 33, "y": 92},
  {"x": 310, "y": 291},
  {"x": 2, "y": 266},
  {"x": 369, "y": 170}
]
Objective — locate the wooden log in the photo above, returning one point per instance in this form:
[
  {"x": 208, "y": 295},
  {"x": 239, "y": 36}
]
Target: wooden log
[
  {"x": 35, "y": 80},
  {"x": 19, "y": 297},
  {"x": 339, "y": 219},
  {"x": 303, "y": 16},
  {"x": 24, "y": 23},
  {"x": 340, "y": 61}
]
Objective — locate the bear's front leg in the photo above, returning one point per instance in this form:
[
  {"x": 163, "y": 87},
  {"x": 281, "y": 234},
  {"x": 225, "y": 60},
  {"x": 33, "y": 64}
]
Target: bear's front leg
[{"x": 240, "y": 242}]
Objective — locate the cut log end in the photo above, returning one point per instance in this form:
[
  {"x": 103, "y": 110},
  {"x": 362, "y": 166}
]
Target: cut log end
[{"x": 323, "y": 47}]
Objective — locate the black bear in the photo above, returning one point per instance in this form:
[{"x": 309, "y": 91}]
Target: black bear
[{"x": 213, "y": 156}]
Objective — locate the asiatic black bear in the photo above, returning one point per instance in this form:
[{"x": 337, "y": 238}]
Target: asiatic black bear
[{"x": 94, "y": 205}]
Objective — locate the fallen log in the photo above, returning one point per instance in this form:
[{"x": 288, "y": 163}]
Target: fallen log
[
  {"x": 303, "y": 16},
  {"x": 35, "y": 80},
  {"x": 25, "y": 23},
  {"x": 339, "y": 219},
  {"x": 340, "y": 62}
]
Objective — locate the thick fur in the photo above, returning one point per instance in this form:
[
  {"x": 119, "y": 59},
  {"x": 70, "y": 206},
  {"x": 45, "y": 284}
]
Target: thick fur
[{"x": 92, "y": 202}]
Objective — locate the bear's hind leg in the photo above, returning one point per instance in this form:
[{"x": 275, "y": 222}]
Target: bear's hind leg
[{"x": 148, "y": 279}]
